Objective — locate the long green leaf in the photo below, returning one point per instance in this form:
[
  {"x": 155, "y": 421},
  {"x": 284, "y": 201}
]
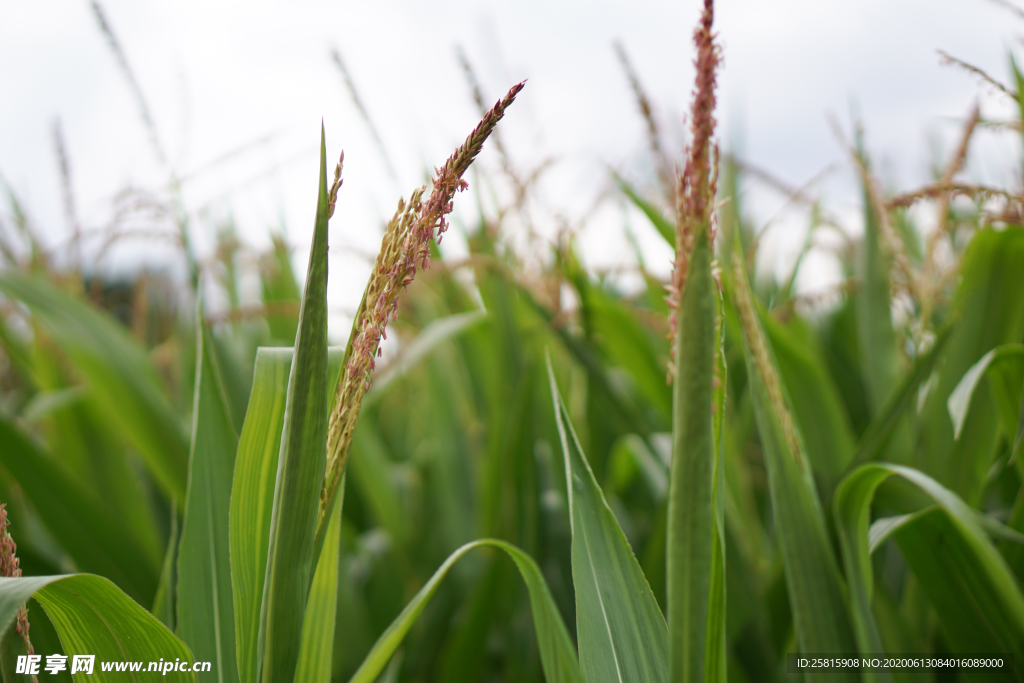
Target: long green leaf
[
  {"x": 281, "y": 293},
  {"x": 989, "y": 306},
  {"x": 205, "y": 616},
  {"x": 95, "y": 454},
  {"x": 717, "y": 651},
  {"x": 300, "y": 467},
  {"x": 317, "y": 645},
  {"x": 876, "y": 335},
  {"x": 252, "y": 498},
  {"x": 852, "y": 504},
  {"x": 120, "y": 375},
  {"x": 959, "y": 401},
  {"x": 959, "y": 568},
  {"x": 166, "y": 590},
  {"x": 252, "y": 493},
  {"x": 812, "y": 576},
  {"x": 49, "y": 402},
  {"x": 663, "y": 225},
  {"x": 817, "y": 406},
  {"x": 77, "y": 519},
  {"x": 621, "y": 632},
  {"x": 372, "y": 473},
  {"x": 628, "y": 345},
  {"x": 558, "y": 657},
  {"x": 234, "y": 373},
  {"x": 624, "y": 411},
  {"x": 882, "y": 529},
  {"x": 972, "y": 590},
  {"x": 691, "y": 518},
  {"x": 882, "y": 426},
  {"x": 92, "y": 616}
]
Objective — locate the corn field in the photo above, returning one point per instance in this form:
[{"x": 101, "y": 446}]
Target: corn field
[{"x": 549, "y": 479}]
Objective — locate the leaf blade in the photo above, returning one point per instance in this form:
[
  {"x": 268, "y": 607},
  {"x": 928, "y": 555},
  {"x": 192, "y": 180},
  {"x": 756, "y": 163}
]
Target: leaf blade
[
  {"x": 252, "y": 493},
  {"x": 691, "y": 518},
  {"x": 812, "y": 575},
  {"x": 92, "y": 616},
  {"x": 300, "y": 468},
  {"x": 959, "y": 401},
  {"x": 252, "y": 496},
  {"x": 621, "y": 632},
  {"x": 557, "y": 654},
  {"x": 85, "y": 529},
  {"x": 989, "y": 306},
  {"x": 318, "y": 626},
  {"x": 205, "y": 615},
  {"x": 121, "y": 377},
  {"x": 940, "y": 570}
]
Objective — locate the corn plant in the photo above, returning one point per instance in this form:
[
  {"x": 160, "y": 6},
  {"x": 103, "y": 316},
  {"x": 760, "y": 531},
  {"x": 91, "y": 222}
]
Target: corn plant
[
  {"x": 818, "y": 480},
  {"x": 254, "y": 548}
]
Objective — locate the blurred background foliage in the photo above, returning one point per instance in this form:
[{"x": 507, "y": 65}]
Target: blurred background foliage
[{"x": 457, "y": 440}]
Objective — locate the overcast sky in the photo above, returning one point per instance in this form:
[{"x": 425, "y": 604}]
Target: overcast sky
[{"x": 220, "y": 74}]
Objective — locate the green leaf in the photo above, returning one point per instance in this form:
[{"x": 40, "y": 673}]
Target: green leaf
[
  {"x": 96, "y": 456},
  {"x": 45, "y": 640},
  {"x": 614, "y": 337},
  {"x": 166, "y": 590},
  {"x": 281, "y": 295},
  {"x": 817, "y": 407},
  {"x": 691, "y": 518},
  {"x": 816, "y": 594},
  {"x": 878, "y": 432},
  {"x": 1007, "y": 385},
  {"x": 426, "y": 342},
  {"x": 632, "y": 455},
  {"x": 95, "y": 539},
  {"x": 630, "y": 346},
  {"x": 624, "y": 411},
  {"x": 12, "y": 646},
  {"x": 558, "y": 657},
  {"x": 20, "y": 356},
  {"x": 960, "y": 400},
  {"x": 717, "y": 641},
  {"x": 371, "y": 472},
  {"x": 621, "y": 632},
  {"x": 876, "y": 336},
  {"x": 973, "y": 591},
  {"x": 47, "y": 403},
  {"x": 852, "y": 507},
  {"x": 252, "y": 493},
  {"x": 234, "y": 372},
  {"x": 252, "y": 498},
  {"x": 317, "y": 645},
  {"x": 300, "y": 468},
  {"x": 121, "y": 377},
  {"x": 92, "y": 616},
  {"x": 961, "y": 571},
  {"x": 989, "y": 309},
  {"x": 663, "y": 225},
  {"x": 205, "y": 616}
]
